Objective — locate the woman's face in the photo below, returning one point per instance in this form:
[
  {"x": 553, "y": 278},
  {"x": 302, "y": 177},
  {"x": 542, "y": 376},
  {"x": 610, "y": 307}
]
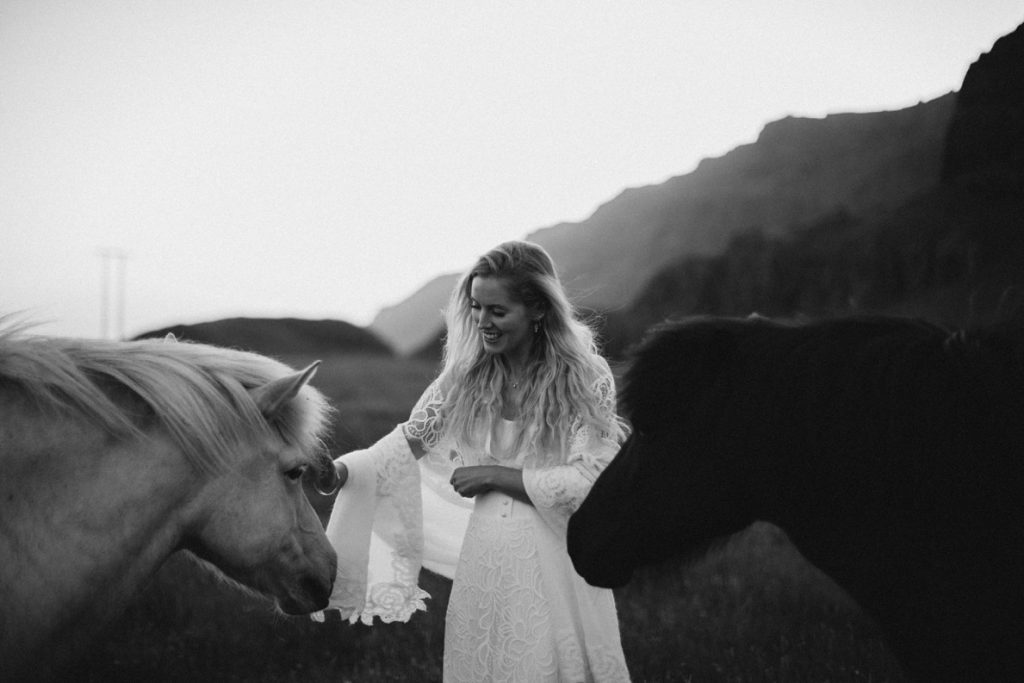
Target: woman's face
[{"x": 505, "y": 325}]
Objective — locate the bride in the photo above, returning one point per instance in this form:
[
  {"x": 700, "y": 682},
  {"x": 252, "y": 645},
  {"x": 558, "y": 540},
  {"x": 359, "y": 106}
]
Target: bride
[{"x": 521, "y": 420}]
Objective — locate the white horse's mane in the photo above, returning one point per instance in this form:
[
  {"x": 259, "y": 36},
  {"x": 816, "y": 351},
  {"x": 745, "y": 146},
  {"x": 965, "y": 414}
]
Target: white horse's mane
[{"x": 198, "y": 393}]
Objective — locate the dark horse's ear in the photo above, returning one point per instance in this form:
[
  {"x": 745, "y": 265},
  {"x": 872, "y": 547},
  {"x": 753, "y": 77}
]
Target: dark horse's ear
[{"x": 272, "y": 396}]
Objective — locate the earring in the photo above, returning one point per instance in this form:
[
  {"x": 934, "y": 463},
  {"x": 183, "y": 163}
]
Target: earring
[{"x": 536, "y": 326}]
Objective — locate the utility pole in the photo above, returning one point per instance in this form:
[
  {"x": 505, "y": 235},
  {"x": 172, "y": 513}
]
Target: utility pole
[{"x": 112, "y": 291}]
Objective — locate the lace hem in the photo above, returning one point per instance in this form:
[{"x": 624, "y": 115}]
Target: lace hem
[
  {"x": 391, "y": 602},
  {"x": 518, "y": 611}
]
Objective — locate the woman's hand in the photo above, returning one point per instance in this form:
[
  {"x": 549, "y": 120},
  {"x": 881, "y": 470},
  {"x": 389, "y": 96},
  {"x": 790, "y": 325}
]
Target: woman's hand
[{"x": 469, "y": 482}]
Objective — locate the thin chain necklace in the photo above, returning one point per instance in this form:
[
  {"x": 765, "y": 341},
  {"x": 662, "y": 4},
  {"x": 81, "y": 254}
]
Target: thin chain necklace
[{"x": 516, "y": 382}]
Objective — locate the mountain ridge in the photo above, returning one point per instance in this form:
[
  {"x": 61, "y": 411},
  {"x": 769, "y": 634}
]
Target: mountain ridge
[
  {"x": 914, "y": 211},
  {"x": 952, "y": 253},
  {"x": 797, "y": 171}
]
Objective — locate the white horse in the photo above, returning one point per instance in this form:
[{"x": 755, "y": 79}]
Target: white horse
[{"x": 113, "y": 455}]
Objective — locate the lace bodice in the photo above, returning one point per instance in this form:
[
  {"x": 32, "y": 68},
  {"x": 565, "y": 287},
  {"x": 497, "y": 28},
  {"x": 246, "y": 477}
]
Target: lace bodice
[
  {"x": 425, "y": 425},
  {"x": 556, "y": 482}
]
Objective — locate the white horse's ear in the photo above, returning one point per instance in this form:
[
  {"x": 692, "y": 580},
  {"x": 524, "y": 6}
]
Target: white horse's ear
[
  {"x": 170, "y": 337},
  {"x": 272, "y": 396}
]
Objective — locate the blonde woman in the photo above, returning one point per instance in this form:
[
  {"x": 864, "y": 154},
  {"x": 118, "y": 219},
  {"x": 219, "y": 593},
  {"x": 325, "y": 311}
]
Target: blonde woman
[{"x": 520, "y": 421}]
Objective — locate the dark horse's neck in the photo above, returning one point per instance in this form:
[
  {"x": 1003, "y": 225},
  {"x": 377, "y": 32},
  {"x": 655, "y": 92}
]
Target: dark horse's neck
[{"x": 893, "y": 464}]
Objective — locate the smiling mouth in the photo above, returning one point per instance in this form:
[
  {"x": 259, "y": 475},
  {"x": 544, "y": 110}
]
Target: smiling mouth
[{"x": 490, "y": 336}]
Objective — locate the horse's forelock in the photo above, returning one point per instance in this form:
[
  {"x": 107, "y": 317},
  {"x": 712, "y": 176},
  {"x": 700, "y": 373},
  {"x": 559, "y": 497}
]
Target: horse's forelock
[
  {"x": 304, "y": 422},
  {"x": 199, "y": 393},
  {"x": 215, "y": 394}
]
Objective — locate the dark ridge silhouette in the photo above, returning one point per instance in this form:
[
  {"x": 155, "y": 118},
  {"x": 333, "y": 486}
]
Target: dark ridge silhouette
[
  {"x": 985, "y": 147},
  {"x": 799, "y": 171},
  {"x": 953, "y": 252},
  {"x": 277, "y": 336}
]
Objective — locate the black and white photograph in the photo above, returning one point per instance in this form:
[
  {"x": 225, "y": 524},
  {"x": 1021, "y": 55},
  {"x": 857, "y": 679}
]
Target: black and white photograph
[{"x": 363, "y": 341}]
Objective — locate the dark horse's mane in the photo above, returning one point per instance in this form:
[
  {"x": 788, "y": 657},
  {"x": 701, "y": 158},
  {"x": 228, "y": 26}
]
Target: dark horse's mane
[
  {"x": 889, "y": 449},
  {"x": 842, "y": 373},
  {"x": 689, "y": 356}
]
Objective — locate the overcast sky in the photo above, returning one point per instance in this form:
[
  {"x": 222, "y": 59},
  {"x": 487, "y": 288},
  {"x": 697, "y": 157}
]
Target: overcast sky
[{"x": 325, "y": 159}]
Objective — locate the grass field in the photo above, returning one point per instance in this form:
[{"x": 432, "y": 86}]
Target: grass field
[{"x": 751, "y": 610}]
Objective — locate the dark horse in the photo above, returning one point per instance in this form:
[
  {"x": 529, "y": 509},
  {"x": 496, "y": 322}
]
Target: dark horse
[{"x": 890, "y": 450}]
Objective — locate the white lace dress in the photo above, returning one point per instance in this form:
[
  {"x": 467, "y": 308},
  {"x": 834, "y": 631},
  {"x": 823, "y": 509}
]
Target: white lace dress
[{"x": 518, "y": 611}]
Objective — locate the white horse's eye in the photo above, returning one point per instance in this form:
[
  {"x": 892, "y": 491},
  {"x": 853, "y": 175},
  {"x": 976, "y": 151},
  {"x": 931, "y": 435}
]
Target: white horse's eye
[{"x": 295, "y": 473}]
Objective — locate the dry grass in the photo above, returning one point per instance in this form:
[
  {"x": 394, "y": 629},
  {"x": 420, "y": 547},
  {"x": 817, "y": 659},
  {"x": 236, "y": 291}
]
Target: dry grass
[{"x": 752, "y": 610}]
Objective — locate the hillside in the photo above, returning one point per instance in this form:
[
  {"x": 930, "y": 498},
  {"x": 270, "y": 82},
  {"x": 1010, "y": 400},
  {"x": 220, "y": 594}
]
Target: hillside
[
  {"x": 799, "y": 171},
  {"x": 986, "y": 137},
  {"x": 417, "y": 320},
  {"x": 953, "y": 253},
  {"x": 915, "y": 211},
  {"x": 278, "y": 336}
]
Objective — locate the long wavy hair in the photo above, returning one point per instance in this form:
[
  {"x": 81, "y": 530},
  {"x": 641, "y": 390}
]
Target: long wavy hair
[{"x": 564, "y": 371}]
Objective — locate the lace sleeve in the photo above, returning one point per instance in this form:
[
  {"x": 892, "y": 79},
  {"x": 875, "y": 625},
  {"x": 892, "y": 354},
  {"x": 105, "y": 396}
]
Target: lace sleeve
[
  {"x": 562, "y": 488},
  {"x": 376, "y": 529},
  {"x": 445, "y": 513},
  {"x": 559, "y": 490},
  {"x": 598, "y": 448},
  {"x": 424, "y": 423},
  {"x": 591, "y": 447}
]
